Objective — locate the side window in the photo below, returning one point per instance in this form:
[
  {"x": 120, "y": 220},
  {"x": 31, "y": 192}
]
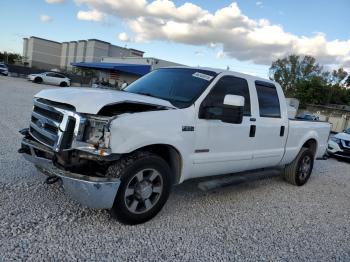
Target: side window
[
  {"x": 50, "y": 74},
  {"x": 59, "y": 76},
  {"x": 269, "y": 104},
  {"x": 230, "y": 85}
]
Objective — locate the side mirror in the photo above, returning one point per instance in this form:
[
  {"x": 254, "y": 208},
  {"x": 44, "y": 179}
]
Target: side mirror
[
  {"x": 233, "y": 100},
  {"x": 124, "y": 85},
  {"x": 230, "y": 111}
]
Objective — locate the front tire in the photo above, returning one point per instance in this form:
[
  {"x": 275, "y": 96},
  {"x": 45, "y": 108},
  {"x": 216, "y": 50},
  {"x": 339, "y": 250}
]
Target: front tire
[
  {"x": 299, "y": 171},
  {"x": 63, "y": 84},
  {"x": 144, "y": 189}
]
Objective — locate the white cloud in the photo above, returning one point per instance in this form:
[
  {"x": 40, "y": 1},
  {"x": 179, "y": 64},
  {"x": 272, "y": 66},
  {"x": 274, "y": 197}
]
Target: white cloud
[
  {"x": 240, "y": 37},
  {"x": 221, "y": 55},
  {"x": 120, "y": 8},
  {"x": 123, "y": 37},
  {"x": 55, "y": 1},
  {"x": 92, "y": 15},
  {"x": 45, "y": 18}
]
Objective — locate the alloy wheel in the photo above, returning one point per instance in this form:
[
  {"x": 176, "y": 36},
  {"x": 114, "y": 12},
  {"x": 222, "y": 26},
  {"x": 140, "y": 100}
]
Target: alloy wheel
[{"x": 143, "y": 191}]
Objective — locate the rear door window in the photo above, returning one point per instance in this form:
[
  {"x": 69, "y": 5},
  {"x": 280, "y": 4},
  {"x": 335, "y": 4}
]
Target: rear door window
[
  {"x": 59, "y": 76},
  {"x": 269, "y": 104}
]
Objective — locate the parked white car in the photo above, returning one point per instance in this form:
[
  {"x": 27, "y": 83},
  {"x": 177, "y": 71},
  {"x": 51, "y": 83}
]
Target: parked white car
[
  {"x": 51, "y": 78},
  {"x": 124, "y": 150},
  {"x": 339, "y": 144}
]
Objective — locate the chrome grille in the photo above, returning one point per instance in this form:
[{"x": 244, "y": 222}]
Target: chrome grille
[{"x": 52, "y": 126}]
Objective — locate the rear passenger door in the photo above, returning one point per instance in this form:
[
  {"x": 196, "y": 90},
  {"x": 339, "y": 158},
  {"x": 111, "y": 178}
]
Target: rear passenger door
[
  {"x": 271, "y": 126},
  {"x": 58, "y": 79}
]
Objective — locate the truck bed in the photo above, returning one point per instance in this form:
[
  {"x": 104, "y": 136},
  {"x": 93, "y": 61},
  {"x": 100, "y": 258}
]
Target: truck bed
[{"x": 300, "y": 131}]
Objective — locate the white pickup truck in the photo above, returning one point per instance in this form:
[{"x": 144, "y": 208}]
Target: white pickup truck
[{"x": 124, "y": 150}]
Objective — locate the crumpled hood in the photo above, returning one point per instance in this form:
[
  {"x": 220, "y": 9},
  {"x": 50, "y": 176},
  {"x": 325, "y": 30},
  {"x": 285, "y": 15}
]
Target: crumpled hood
[
  {"x": 91, "y": 100},
  {"x": 343, "y": 136}
]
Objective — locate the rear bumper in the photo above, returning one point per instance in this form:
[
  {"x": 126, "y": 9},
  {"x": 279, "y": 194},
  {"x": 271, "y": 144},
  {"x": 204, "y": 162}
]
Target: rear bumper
[{"x": 92, "y": 192}]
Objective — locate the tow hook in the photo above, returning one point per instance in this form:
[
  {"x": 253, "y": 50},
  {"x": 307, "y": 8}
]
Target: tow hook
[{"x": 51, "y": 180}]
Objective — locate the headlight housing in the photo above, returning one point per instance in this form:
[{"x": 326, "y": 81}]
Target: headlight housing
[{"x": 95, "y": 131}]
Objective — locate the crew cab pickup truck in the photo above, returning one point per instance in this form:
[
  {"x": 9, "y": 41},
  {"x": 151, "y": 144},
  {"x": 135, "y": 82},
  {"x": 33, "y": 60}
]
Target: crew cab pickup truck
[{"x": 124, "y": 150}]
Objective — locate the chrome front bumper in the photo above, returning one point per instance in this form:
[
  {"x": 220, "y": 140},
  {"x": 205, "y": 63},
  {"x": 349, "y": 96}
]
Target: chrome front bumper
[{"x": 92, "y": 192}]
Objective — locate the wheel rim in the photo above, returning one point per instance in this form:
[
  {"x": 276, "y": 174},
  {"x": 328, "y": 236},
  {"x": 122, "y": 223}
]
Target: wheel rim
[
  {"x": 305, "y": 167},
  {"x": 143, "y": 191}
]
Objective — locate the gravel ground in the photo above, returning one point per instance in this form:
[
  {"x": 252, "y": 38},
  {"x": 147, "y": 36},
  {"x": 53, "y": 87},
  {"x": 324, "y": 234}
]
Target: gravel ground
[{"x": 261, "y": 220}]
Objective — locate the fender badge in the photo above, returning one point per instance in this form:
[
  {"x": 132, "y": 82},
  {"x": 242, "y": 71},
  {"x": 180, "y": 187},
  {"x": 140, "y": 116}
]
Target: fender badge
[{"x": 187, "y": 128}]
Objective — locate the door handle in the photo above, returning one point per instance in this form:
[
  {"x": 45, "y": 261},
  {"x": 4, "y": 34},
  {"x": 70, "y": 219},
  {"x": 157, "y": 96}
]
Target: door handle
[
  {"x": 252, "y": 131},
  {"x": 282, "y": 131}
]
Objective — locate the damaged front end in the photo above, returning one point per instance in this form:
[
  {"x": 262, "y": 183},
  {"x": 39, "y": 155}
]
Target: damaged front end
[
  {"x": 69, "y": 138},
  {"x": 73, "y": 147}
]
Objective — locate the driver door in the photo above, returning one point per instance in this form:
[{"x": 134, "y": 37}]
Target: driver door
[{"x": 221, "y": 147}]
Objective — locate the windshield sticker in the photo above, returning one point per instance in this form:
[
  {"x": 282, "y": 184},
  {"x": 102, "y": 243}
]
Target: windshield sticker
[{"x": 202, "y": 76}]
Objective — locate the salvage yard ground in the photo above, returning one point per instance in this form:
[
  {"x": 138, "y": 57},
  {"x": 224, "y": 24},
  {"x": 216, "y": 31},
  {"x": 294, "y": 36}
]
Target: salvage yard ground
[{"x": 261, "y": 220}]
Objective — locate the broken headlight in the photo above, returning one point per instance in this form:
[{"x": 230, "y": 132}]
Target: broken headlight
[{"x": 96, "y": 131}]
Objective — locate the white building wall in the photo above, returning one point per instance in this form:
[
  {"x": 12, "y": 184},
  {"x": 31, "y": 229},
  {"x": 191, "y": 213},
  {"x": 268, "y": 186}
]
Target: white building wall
[
  {"x": 64, "y": 55},
  {"x": 25, "y": 49},
  {"x": 81, "y": 51},
  {"x": 116, "y": 51},
  {"x": 89, "y": 54},
  {"x": 44, "y": 54},
  {"x": 72, "y": 54},
  {"x": 47, "y": 54},
  {"x": 30, "y": 52},
  {"x": 101, "y": 50}
]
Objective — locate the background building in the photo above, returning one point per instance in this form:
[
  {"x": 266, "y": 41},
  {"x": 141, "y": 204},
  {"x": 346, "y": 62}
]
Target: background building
[{"x": 46, "y": 54}]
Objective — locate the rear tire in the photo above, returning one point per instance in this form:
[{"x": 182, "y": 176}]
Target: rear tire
[
  {"x": 144, "y": 189},
  {"x": 299, "y": 171},
  {"x": 38, "y": 80}
]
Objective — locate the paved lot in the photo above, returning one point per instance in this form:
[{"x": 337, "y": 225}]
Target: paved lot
[{"x": 261, "y": 220}]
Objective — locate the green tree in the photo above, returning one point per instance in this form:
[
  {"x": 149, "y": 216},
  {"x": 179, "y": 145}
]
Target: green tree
[
  {"x": 312, "y": 91},
  {"x": 290, "y": 70},
  {"x": 9, "y": 58},
  {"x": 305, "y": 79},
  {"x": 338, "y": 77},
  {"x": 347, "y": 82}
]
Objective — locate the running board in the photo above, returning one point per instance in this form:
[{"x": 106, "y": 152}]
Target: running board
[{"x": 237, "y": 179}]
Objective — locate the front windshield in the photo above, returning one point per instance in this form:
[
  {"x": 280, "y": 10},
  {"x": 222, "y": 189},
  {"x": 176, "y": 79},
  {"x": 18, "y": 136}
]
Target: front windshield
[
  {"x": 347, "y": 131},
  {"x": 179, "y": 86}
]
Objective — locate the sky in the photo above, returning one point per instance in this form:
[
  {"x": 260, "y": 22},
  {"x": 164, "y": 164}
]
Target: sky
[{"x": 244, "y": 35}]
